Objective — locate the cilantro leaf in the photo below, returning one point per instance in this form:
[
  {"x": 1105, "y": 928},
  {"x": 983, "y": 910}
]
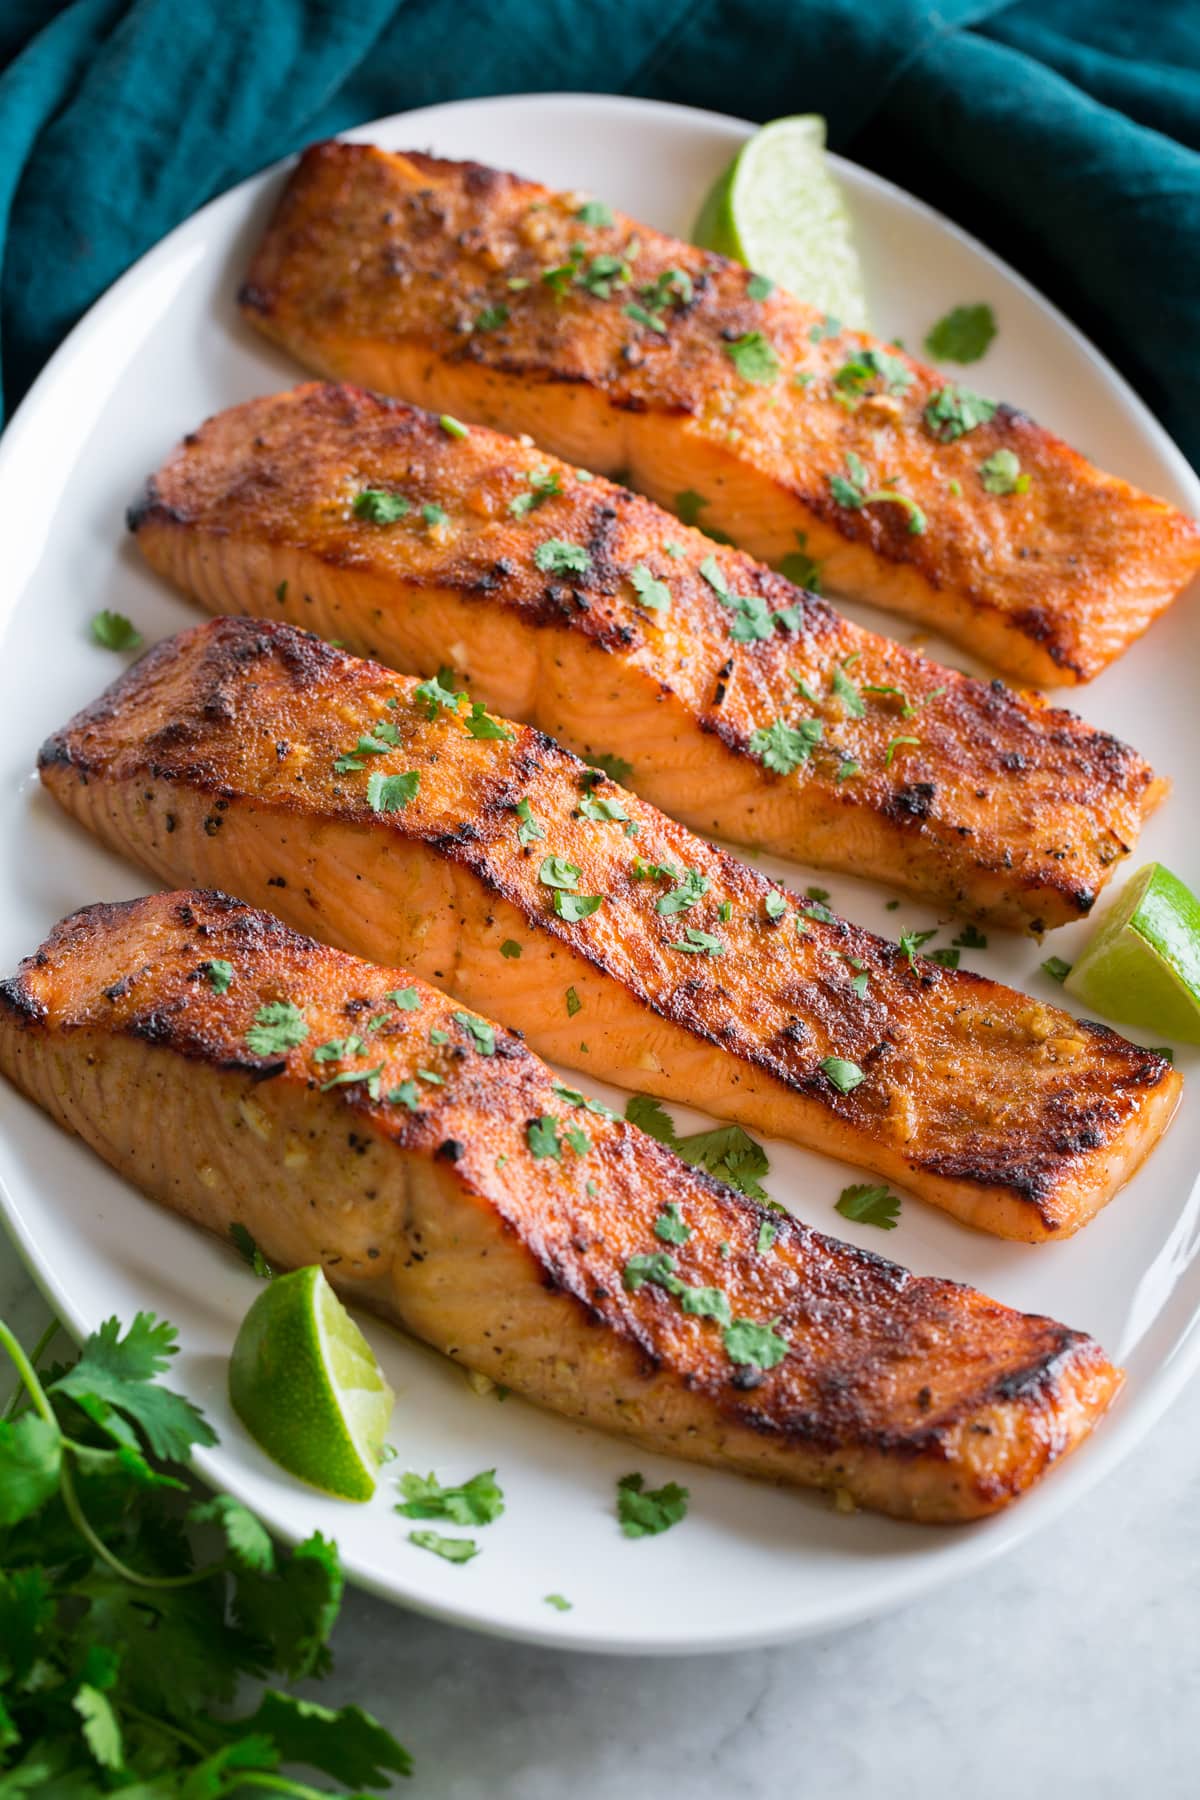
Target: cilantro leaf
[
  {"x": 652, "y": 592},
  {"x": 278, "y": 1026},
  {"x": 492, "y": 317},
  {"x": 670, "y": 1224},
  {"x": 249, "y": 1251},
  {"x": 247, "y": 1541},
  {"x": 953, "y": 411},
  {"x": 644, "y": 1512},
  {"x": 768, "y": 1231},
  {"x": 116, "y": 1374},
  {"x": 652, "y": 1117},
  {"x": 758, "y": 1345},
  {"x": 113, "y": 631},
  {"x": 555, "y": 556},
  {"x": 1056, "y": 968},
  {"x": 799, "y": 567},
  {"x": 558, "y": 872},
  {"x": 845, "y": 691},
  {"x": 682, "y": 898},
  {"x": 30, "y": 1461},
  {"x": 754, "y": 357},
  {"x": 603, "y": 811},
  {"x": 1000, "y": 473},
  {"x": 911, "y": 941},
  {"x": 510, "y": 948},
  {"x": 450, "y": 1549},
  {"x": 844, "y": 1075},
  {"x": 101, "y": 1732},
  {"x": 869, "y": 1205},
  {"x": 594, "y": 212},
  {"x": 433, "y": 695},
  {"x": 695, "y": 942},
  {"x": 729, "y": 1154},
  {"x": 782, "y": 747},
  {"x": 574, "y": 907},
  {"x": 544, "y": 484},
  {"x": 962, "y": 335},
  {"x": 477, "y": 1502},
  {"x": 557, "y": 1602},
  {"x": 615, "y": 767},
  {"x": 220, "y": 975},
  {"x": 480, "y": 1031},
  {"x": 392, "y": 793},
  {"x": 348, "y": 1745},
  {"x": 542, "y": 1137},
  {"x": 970, "y": 938},
  {"x": 759, "y": 287},
  {"x": 480, "y": 724},
  {"x": 380, "y": 506}
]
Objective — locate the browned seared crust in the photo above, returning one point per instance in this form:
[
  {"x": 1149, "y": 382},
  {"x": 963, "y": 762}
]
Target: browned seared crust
[
  {"x": 213, "y": 759},
  {"x": 957, "y": 790},
  {"x": 427, "y": 279},
  {"x": 916, "y": 1396}
]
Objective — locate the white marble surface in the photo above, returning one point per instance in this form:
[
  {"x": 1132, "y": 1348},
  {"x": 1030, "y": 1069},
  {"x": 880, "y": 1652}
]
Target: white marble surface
[{"x": 1071, "y": 1669}]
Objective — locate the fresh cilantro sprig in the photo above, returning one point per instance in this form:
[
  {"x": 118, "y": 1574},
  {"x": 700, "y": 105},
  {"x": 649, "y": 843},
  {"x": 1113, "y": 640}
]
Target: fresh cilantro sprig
[{"x": 121, "y": 1651}]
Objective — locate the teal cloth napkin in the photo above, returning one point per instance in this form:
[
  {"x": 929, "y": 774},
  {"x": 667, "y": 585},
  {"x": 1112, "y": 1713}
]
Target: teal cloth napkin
[{"x": 1064, "y": 133}]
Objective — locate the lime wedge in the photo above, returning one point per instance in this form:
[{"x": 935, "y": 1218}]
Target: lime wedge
[
  {"x": 1142, "y": 964},
  {"x": 779, "y": 210},
  {"x": 305, "y": 1383}
]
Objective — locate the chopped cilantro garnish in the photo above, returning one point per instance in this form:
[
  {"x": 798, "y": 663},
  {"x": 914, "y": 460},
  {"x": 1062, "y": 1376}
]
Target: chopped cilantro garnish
[
  {"x": 492, "y": 317},
  {"x": 782, "y": 747},
  {"x": 113, "y": 631},
  {"x": 478, "y": 1501},
  {"x": 544, "y": 484},
  {"x": 867, "y": 366},
  {"x": 706, "y": 1303},
  {"x": 555, "y": 556},
  {"x": 249, "y": 1251},
  {"x": 817, "y": 909},
  {"x": 482, "y": 1034},
  {"x": 453, "y": 427},
  {"x": 962, "y": 335},
  {"x": 574, "y": 1003},
  {"x": 510, "y": 948},
  {"x": 380, "y": 506},
  {"x": 338, "y": 1049},
  {"x": 434, "y": 694},
  {"x": 911, "y": 941},
  {"x": 573, "y": 907},
  {"x": 768, "y": 1231},
  {"x": 684, "y": 897},
  {"x": 450, "y": 1549},
  {"x": 760, "y": 1346},
  {"x": 279, "y": 1025},
  {"x": 670, "y": 1225},
  {"x": 759, "y": 287},
  {"x": 953, "y": 411},
  {"x": 869, "y": 1205},
  {"x": 856, "y": 493},
  {"x": 480, "y": 724},
  {"x": 640, "y": 316},
  {"x": 433, "y": 514},
  {"x": 529, "y": 828},
  {"x": 392, "y": 793},
  {"x": 407, "y": 999},
  {"x": 1056, "y": 968},
  {"x": 776, "y": 905},
  {"x": 828, "y": 327},
  {"x": 615, "y": 767},
  {"x": 754, "y": 358},
  {"x": 351, "y": 1078},
  {"x": 542, "y": 1137},
  {"x": 643, "y": 1511},
  {"x": 970, "y": 938},
  {"x": 730, "y": 1154},
  {"x": 845, "y": 691},
  {"x": 220, "y": 974},
  {"x": 699, "y": 943},
  {"x": 594, "y": 212},
  {"x": 688, "y": 506},
  {"x": 558, "y": 872},
  {"x": 844, "y": 1075},
  {"x": 1000, "y": 473},
  {"x": 603, "y": 811},
  {"x": 897, "y": 743},
  {"x": 799, "y": 567},
  {"x": 407, "y": 1094},
  {"x": 557, "y": 1602},
  {"x": 652, "y": 1117},
  {"x": 946, "y": 957},
  {"x": 649, "y": 589}
]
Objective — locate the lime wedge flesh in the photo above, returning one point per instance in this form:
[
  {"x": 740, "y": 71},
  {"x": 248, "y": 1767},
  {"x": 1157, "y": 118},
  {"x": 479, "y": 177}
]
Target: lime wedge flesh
[
  {"x": 778, "y": 209},
  {"x": 305, "y": 1383},
  {"x": 1142, "y": 964}
]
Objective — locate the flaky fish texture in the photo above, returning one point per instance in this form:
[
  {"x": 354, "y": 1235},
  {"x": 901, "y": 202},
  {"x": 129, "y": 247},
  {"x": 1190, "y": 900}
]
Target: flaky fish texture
[
  {"x": 742, "y": 705},
  {"x": 398, "y": 820},
  {"x": 442, "y": 1176},
  {"x": 504, "y": 302}
]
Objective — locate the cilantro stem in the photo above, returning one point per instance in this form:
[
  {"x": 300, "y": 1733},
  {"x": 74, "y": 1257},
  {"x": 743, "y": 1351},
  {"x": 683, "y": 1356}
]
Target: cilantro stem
[
  {"x": 35, "y": 1357},
  {"x": 78, "y": 1518},
  {"x": 167, "y": 1729},
  {"x": 28, "y": 1374}
]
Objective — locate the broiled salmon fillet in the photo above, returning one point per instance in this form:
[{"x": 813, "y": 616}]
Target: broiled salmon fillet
[
  {"x": 501, "y": 301},
  {"x": 394, "y": 819},
  {"x": 583, "y": 609},
  {"x": 351, "y": 1116}
]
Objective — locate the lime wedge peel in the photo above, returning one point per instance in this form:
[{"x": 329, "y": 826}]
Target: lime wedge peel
[
  {"x": 306, "y": 1385},
  {"x": 1142, "y": 964},
  {"x": 778, "y": 209}
]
